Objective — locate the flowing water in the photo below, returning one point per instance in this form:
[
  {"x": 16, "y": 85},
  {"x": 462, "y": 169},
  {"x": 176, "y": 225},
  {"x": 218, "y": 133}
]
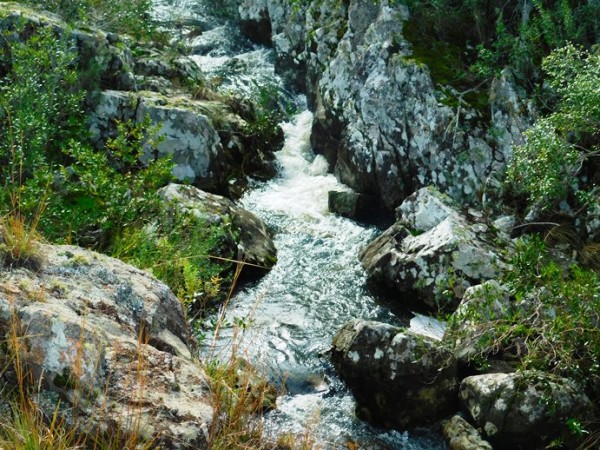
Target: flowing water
[{"x": 290, "y": 315}]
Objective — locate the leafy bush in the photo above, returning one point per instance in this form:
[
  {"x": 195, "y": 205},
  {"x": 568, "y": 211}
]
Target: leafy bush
[
  {"x": 558, "y": 146},
  {"x": 130, "y": 17},
  {"x": 177, "y": 248},
  {"x": 40, "y": 105},
  {"x": 550, "y": 323}
]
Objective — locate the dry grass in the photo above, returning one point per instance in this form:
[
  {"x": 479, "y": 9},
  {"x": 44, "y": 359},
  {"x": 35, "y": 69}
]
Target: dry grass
[
  {"x": 240, "y": 395},
  {"x": 27, "y": 425}
]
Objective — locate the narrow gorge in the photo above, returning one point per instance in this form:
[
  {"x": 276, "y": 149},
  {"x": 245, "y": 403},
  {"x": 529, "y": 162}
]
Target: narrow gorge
[{"x": 300, "y": 224}]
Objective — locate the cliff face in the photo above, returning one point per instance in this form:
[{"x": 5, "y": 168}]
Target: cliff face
[{"x": 385, "y": 127}]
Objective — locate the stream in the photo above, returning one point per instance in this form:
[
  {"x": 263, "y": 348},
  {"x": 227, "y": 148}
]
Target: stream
[{"x": 285, "y": 322}]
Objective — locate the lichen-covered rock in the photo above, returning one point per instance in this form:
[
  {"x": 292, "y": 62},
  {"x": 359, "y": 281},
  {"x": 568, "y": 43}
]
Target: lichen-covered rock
[
  {"x": 461, "y": 435},
  {"x": 527, "y": 408},
  {"x": 155, "y": 67},
  {"x": 207, "y": 157},
  {"x": 112, "y": 341},
  {"x": 399, "y": 379},
  {"x": 433, "y": 253},
  {"x": 188, "y": 134},
  {"x": 254, "y": 242},
  {"x": 380, "y": 119}
]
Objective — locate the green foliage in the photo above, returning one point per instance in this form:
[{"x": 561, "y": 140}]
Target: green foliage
[
  {"x": 177, "y": 248},
  {"x": 130, "y": 17},
  {"x": 47, "y": 160},
  {"x": 40, "y": 105},
  {"x": 103, "y": 191},
  {"x": 558, "y": 145},
  {"x": 550, "y": 322}
]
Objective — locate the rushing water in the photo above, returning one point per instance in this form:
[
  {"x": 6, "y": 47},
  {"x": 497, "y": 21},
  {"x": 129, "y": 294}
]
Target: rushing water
[
  {"x": 316, "y": 286},
  {"x": 290, "y": 315}
]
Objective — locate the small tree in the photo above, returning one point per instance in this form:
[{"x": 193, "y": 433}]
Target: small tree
[{"x": 560, "y": 145}]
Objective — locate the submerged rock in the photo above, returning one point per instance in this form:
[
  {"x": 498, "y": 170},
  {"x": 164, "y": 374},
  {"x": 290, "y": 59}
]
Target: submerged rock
[
  {"x": 527, "y": 408},
  {"x": 433, "y": 253},
  {"x": 254, "y": 243},
  {"x": 112, "y": 341},
  {"x": 399, "y": 379},
  {"x": 352, "y": 205}
]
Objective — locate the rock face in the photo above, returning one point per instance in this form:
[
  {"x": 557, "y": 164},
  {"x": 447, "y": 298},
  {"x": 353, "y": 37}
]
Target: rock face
[
  {"x": 520, "y": 408},
  {"x": 433, "y": 253},
  {"x": 254, "y": 243},
  {"x": 112, "y": 341},
  {"x": 380, "y": 119},
  {"x": 461, "y": 435},
  {"x": 399, "y": 379},
  {"x": 189, "y": 136}
]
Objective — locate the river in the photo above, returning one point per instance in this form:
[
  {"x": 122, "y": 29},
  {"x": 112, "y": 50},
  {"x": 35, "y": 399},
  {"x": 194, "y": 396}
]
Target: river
[{"x": 290, "y": 316}]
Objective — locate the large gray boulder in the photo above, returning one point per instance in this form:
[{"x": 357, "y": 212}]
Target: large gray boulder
[
  {"x": 433, "y": 252},
  {"x": 186, "y": 127},
  {"x": 253, "y": 239},
  {"x": 111, "y": 341},
  {"x": 399, "y": 379},
  {"x": 528, "y": 408},
  {"x": 385, "y": 126}
]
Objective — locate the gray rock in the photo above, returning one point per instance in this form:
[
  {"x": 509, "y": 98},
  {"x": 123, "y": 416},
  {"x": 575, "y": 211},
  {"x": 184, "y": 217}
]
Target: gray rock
[
  {"x": 379, "y": 118},
  {"x": 461, "y": 435},
  {"x": 527, "y": 408},
  {"x": 351, "y": 205},
  {"x": 189, "y": 136},
  {"x": 254, "y": 242},
  {"x": 399, "y": 379},
  {"x": 113, "y": 342},
  {"x": 433, "y": 253}
]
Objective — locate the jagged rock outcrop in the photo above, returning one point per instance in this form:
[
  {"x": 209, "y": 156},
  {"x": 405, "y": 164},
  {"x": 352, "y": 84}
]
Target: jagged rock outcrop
[
  {"x": 188, "y": 134},
  {"x": 254, "y": 243},
  {"x": 399, "y": 379},
  {"x": 204, "y": 139},
  {"x": 433, "y": 252},
  {"x": 528, "y": 408},
  {"x": 461, "y": 435},
  {"x": 384, "y": 125},
  {"x": 112, "y": 341}
]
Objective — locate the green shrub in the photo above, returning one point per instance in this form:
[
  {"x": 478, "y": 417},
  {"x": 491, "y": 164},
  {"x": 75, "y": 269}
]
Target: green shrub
[
  {"x": 40, "y": 104},
  {"x": 46, "y": 158},
  {"x": 177, "y": 248},
  {"x": 558, "y": 146},
  {"x": 551, "y": 323},
  {"x": 103, "y": 192},
  {"x": 128, "y": 17}
]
